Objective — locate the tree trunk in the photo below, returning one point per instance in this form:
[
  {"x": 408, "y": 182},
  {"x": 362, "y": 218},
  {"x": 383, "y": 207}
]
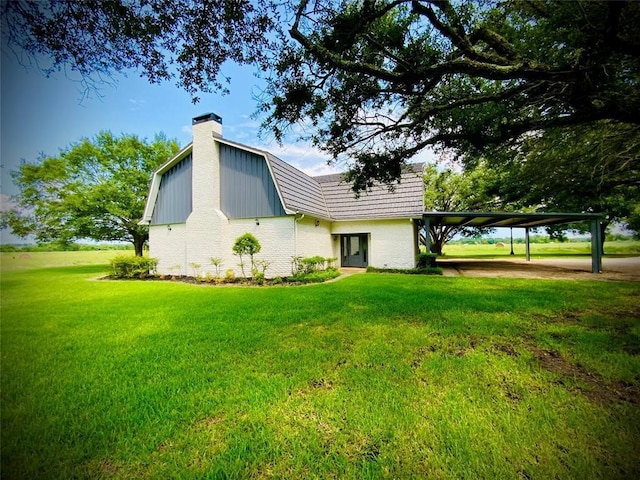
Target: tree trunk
[
  {"x": 437, "y": 237},
  {"x": 436, "y": 247},
  {"x": 138, "y": 244}
]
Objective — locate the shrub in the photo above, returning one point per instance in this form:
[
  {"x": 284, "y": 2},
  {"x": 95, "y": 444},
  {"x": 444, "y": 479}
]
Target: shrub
[
  {"x": 230, "y": 276},
  {"x": 407, "y": 271},
  {"x": 246, "y": 244},
  {"x": 175, "y": 267},
  {"x": 295, "y": 264},
  {"x": 260, "y": 268},
  {"x": 311, "y": 264},
  {"x": 208, "y": 278},
  {"x": 426, "y": 260},
  {"x": 277, "y": 280},
  {"x": 130, "y": 266},
  {"x": 196, "y": 268},
  {"x": 315, "y": 277},
  {"x": 216, "y": 262}
]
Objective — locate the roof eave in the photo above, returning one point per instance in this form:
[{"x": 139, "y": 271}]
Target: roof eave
[{"x": 155, "y": 183}]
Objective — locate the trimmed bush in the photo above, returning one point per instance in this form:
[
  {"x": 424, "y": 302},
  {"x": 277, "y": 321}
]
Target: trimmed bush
[
  {"x": 426, "y": 260},
  {"x": 246, "y": 244},
  {"x": 407, "y": 271},
  {"x": 130, "y": 266},
  {"x": 304, "y": 265},
  {"x": 314, "y": 277}
]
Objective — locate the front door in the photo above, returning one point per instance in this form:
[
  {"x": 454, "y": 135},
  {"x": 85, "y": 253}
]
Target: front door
[{"x": 354, "y": 250}]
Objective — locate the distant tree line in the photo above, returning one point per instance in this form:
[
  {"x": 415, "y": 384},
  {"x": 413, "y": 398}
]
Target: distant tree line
[
  {"x": 64, "y": 247},
  {"x": 536, "y": 238}
]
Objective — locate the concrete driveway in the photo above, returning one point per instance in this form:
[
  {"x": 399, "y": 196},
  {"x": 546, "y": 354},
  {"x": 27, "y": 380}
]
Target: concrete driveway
[{"x": 614, "y": 269}]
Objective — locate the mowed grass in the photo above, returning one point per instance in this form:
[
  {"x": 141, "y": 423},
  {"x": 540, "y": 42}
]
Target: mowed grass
[
  {"x": 372, "y": 376},
  {"x": 539, "y": 250},
  {"x": 22, "y": 260}
]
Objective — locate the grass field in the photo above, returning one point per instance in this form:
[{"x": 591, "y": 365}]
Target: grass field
[
  {"x": 540, "y": 250},
  {"x": 373, "y": 376},
  {"x": 22, "y": 260}
]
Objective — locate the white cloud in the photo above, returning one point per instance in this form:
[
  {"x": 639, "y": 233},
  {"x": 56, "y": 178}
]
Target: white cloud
[
  {"x": 136, "y": 104},
  {"x": 6, "y": 202},
  {"x": 304, "y": 157},
  {"x": 243, "y": 131},
  {"x": 318, "y": 169}
]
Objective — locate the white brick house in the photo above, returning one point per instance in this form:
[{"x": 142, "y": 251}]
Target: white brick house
[{"x": 215, "y": 190}]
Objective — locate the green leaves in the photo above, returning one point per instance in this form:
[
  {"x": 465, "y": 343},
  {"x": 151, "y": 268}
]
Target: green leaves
[
  {"x": 452, "y": 191},
  {"x": 246, "y": 244},
  {"x": 593, "y": 168},
  {"x": 94, "y": 189},
  {"x": 396, "y": 77},
  {"x": 163, "y": 39}
]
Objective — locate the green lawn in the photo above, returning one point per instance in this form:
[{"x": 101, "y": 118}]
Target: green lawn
[
  {"x": 21, "y": 260},
  {"x": 538, "y": 250},
  {"x": 372, "y": 376}
]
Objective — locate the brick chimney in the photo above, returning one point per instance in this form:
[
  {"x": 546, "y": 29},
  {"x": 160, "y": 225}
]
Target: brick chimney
[{"x": 206, "y": 164}]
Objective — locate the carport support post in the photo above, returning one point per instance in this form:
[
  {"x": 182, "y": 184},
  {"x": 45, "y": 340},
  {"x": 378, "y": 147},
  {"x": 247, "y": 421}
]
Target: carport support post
[
  {"x": 427, "y": 237},
  {"x": 526, "y": 242},
  {"x": 596, "y": 250}
]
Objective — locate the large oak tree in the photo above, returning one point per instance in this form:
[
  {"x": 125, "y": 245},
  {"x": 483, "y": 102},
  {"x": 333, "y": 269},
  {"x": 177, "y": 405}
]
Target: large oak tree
[
  {"x": 94, "y": 189},
  {"x": 382, "y": 80},
  {"x": 588, "y": 168},
  {"x": 184, "y": 40}
]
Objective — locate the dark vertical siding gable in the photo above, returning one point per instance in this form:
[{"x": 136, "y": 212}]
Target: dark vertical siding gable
[
  {"x": 173, "y": 203},
  {"x": 246, "y": 187}
]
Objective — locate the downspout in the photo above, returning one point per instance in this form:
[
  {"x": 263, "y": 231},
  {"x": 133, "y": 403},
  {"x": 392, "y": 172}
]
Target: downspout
[{"x": 295, "y": 232}]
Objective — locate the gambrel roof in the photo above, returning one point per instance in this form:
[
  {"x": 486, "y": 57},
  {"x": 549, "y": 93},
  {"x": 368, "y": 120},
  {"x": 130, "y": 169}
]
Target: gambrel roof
[{"x": 329, "y": 196}]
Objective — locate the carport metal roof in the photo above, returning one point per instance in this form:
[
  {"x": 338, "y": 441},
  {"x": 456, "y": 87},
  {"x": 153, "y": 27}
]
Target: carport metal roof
[
  {"x": 521, "y": 220},
  {"x": 507, "y": 219}
]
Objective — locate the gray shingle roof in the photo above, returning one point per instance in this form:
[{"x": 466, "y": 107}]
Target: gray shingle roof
[
  {"x": 405, "y": 200},
  {"x": 300, "y": 192},
  {"x": 328, "y": 196}
]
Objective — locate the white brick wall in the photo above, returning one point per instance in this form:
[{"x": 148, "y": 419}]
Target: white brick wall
[
  {"x": 392, "y": 243},
  {"x": 188, "y": 244},
  {"x": 312, "y": 240},
  {"x": 169, "y": 247},
  {"x": 202, "y": 234},
  {"x": 206, "y": 167},
  {"x": 276, "y": 240}
]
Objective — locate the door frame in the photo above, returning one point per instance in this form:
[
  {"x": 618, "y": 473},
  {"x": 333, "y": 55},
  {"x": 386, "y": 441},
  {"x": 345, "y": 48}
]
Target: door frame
[{"x": 346, "y": 257}]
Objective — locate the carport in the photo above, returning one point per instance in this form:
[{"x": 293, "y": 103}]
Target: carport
[{"x": 520, "y": 220}]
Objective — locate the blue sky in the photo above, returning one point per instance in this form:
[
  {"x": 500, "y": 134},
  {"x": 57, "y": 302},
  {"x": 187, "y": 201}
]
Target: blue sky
[
  {"x": 40, "y": 114},
  {"x": 46, "y": 114}
]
